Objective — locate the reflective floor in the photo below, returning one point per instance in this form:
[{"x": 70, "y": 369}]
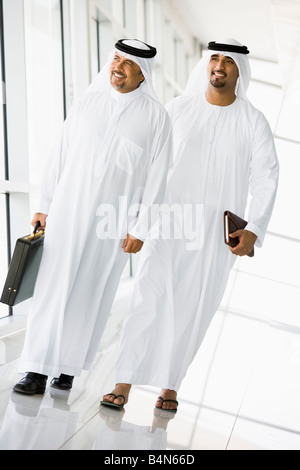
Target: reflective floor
[{"x": 241, "y": 392}]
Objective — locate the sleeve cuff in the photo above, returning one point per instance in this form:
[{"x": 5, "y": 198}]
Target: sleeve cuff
[
  {"x": 43, "y": 205},
  {"x": 138, "y": 234},
  {"x": 260, "y": 235}
]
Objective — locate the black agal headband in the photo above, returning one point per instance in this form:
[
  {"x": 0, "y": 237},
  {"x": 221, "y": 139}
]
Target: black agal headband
[
  {"x": 216, "y": 46},
  {"x": 145, "y": 54}
]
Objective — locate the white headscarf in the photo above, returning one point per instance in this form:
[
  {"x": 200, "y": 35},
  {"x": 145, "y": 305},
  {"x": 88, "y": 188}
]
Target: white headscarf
[
  {"x": 102, "y": 81},
  {"x": 198, "y": 81}
]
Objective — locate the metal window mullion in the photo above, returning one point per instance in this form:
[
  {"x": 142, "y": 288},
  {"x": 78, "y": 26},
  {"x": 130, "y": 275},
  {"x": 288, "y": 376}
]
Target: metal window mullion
[
  {"x": 3, "y": 79},
  {"x": 98, "y": 44},
  {"x": 5, "y": 138},
  {"x": 63, "y": 57}
]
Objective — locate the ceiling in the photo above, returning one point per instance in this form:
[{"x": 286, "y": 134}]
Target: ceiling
[{"x": 267, "y": 27}]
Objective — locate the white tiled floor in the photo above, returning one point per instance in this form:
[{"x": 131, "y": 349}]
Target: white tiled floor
[{"x": 241, "y": 392}]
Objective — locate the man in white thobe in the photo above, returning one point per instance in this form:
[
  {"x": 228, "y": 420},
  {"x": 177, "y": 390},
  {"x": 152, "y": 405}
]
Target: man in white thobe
[
  {"x": 222, "y": 147},
  {"x": 110, "y": 161}
]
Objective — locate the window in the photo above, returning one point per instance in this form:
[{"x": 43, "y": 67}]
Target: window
[
  {"x": 2, "y": 97},
  {"x": 283, "y": 221},
  {"x": 107, "y": 4},
  {"x": 4, "y": 311},
  {"x": 105, "y": 39},
  {"x": 31, "y": 37},
  {"x": 95, "y": 53},
  {"x": 129, "y": 16},
  {"x": 102, "y": 41},
  {"x": 265, "y": 90},
  {"x": 180, "y": 63},
  {"x": 274, "y": 279},
  {"x": 44, "y": 80}
]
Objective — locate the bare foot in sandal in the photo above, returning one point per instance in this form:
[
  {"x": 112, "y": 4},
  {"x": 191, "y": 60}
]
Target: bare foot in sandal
[
  {"x": 118, "y": 397},
  {"x": 167, "y": 400}
]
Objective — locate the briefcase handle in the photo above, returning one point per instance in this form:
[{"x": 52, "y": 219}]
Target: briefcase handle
[
  {"x": 35, "y": 231},
  {"x": 36, "y": 227}
]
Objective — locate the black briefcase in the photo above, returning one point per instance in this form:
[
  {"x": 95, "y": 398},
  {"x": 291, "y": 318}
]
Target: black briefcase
[{"x": 23, "y": 269}]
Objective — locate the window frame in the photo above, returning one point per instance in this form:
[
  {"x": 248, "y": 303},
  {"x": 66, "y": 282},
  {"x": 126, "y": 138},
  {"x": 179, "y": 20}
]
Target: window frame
[{"x": 16, "y": 186}]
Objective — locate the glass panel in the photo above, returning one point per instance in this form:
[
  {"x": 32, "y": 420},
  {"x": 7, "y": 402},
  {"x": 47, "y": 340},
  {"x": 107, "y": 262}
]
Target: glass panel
[
  {"x": 116, "y": 9},
  {"x": 4, "y": 311},
  {"x": 288, "y": 124},
  {"x": 169, "y": 49},
  {"x": 106, "y": 39},
  {"x": 268, "y": 99},
  {"x": 107, "y": 4},
  {"x": 180, "y": 62},
  {"x": 130, "y": 20},
  {"x": 147, "y": 17},
  {"x": 284, "y": 221},
  {"x": 282, "y": 268},
  {"x": 3, "y": 252},
  {"x": 266, "y": 71},
  {"x": 95, "y": 59},
  {"x": 44, "y": 79}
]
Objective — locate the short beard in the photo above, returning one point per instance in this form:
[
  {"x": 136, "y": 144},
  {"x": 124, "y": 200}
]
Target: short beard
[
  {"x": 119, "y": 87},
  {"x": 217, "y": 84}
]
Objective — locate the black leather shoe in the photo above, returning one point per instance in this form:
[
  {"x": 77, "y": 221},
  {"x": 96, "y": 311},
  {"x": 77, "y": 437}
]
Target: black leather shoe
[
  {"x": 31, "y": 384},
  {"x": 63, "y": 382}
]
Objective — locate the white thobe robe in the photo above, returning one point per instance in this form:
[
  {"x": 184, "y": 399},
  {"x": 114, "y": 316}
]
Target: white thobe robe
[
  {"x": 114, "y": 151},
  {"x": 177, "y": 290}
]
